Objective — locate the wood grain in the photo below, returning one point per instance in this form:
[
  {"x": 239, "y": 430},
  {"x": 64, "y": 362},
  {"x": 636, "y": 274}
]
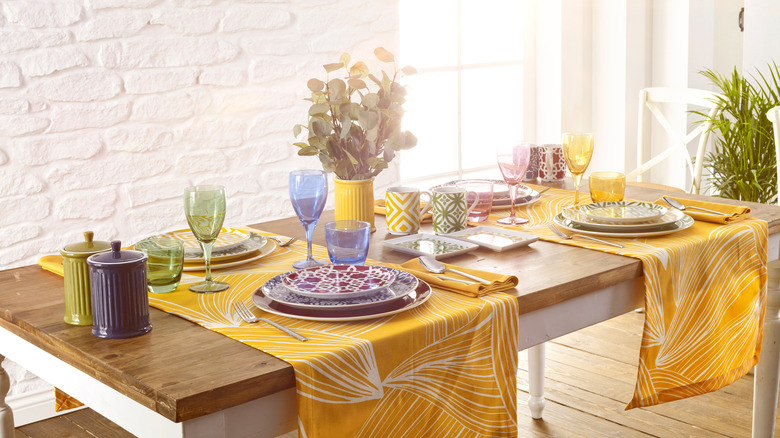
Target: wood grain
[{"x": 183, "y": 371}]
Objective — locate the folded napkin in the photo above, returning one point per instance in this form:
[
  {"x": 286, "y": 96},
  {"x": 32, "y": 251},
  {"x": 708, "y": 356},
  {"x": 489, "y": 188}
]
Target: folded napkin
[
  {"x": 731, "y": 213},
  {"x": 498, "y": 283},
  {"x": 52, "y": 263},
  {"x": 379, "y": 208}
]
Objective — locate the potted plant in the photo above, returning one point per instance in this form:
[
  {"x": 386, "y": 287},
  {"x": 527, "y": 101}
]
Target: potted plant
[
  {"x": 355, "y": 131},
  {"x": 743, "y": 163}
]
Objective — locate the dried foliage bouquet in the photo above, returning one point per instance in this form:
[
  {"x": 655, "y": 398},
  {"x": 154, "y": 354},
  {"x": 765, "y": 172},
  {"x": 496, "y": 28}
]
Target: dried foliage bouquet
[{"x": 353, "y": 130}]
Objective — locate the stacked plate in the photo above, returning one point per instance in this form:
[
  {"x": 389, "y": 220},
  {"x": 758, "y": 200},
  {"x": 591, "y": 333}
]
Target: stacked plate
[
  {"x": 341, "y": 293},
  {"x": 233, "y": 247},
  {"x": 623, "y": 219}
]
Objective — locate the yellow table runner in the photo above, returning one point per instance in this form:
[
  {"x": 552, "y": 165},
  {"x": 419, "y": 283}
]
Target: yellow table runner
[
  {"x": 445, "y": 368},
  {"x": 705, "y": 296}
]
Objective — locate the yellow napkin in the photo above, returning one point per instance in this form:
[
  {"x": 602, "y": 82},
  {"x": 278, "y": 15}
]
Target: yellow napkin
[
  {"x": 379, "y": 208},
  {"x": 731, "y": 213},
  {"x": 498, "y": 283},
  {"x": 52, "y": 263}
]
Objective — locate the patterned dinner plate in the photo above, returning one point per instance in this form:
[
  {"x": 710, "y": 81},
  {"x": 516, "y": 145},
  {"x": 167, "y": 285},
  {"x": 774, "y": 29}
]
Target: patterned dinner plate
[
  {"x": 685, "y": 222},
  {"x": 622, "y": 212},
  {"x": 404, "y": 284},
  {"x": 671, "y": 216},
  {"x": 231, "y": 262},
  {"x": 430, "y": 244},
  {"x": 338, "y": 281},
  {"x": 408, "y": 302},
  {"x": 231, "y": 243},
  {"x": 497, "y": 239}
]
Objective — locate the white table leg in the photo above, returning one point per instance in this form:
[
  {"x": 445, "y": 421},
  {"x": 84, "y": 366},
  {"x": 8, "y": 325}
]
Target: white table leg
[
  {"x": 767, "y": 373},
  {"x": 536, "y": 380},
  {"x": 6, "y": 416}
]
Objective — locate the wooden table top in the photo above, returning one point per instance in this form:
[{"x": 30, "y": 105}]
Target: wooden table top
[{"x": 183, "y": 371}]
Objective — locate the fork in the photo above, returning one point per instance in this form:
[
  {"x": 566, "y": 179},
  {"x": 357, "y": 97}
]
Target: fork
[
  {"x": 243, "y": 311},
  {"x": 563, "y": 235},
  {"x": 282, "y": 243}
]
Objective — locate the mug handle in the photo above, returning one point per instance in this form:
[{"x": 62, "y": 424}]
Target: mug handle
[
  {"x": 473, "y": 204},
  {"x": 428, "y": 204}
]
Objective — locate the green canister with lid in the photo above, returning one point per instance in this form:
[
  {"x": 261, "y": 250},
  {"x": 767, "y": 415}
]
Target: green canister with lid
[{"x": 78, "y": 289}]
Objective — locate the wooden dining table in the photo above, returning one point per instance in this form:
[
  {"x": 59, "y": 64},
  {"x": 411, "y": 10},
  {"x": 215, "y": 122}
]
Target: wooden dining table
[{"x": 184, "y": 380}]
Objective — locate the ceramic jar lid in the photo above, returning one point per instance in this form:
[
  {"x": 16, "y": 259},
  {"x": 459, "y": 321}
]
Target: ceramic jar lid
[
  {"x": 117, "y": 258},
  {"x": 85, "y": 248}
]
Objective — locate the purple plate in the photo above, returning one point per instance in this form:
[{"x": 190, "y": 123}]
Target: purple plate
[
  {"x": 404, "y": 284},
  {"x": 338, "y": 281},
  {"x": 408, "y": 302}
]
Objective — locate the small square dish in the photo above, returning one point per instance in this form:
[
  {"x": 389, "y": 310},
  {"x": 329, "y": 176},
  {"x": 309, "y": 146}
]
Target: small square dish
[
  {"x": 496, "y": 239},
  {"x": 438, "y": 247}
]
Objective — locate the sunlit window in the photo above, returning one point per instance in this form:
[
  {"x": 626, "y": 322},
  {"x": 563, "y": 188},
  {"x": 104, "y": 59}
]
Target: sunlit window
[{"x": 468, "y": 93}]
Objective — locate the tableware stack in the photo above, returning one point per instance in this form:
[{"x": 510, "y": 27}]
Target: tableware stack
[
  {"x": 341, "y": 293},
  {"x": 623, "y": 219},
  {"x": 233, "y": 247}
]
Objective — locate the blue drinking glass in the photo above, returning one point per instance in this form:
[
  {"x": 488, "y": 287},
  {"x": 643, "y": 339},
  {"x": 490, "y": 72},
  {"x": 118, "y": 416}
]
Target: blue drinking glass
[
  {"x": 308, "y": 192},
  {"x": 347, "y": 241}
]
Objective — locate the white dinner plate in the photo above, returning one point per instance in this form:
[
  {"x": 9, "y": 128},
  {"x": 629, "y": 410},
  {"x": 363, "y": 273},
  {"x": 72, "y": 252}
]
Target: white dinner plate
[
  {"x": 622, "y": 212},
  {"x": 670, "y": 217},
  {"x": 408, "y": 302},
  {"x": 685, "y": 222},
  {"x": 497, "y": 239},
  {"x": 261, "y": 252}
]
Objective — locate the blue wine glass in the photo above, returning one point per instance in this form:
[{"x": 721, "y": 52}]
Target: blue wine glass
[{"x": 308, "y": 192}]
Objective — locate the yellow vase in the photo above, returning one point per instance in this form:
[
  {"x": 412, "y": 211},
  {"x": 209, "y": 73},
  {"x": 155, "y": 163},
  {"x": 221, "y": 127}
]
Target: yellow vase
[{"x": 354, "y": 200}]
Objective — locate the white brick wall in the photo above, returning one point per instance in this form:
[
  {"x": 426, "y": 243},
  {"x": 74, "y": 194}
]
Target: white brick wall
[{"x": 109, "y": 108}]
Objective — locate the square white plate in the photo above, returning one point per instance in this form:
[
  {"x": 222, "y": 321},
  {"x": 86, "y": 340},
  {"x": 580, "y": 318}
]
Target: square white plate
[
  {"x": 438, "y": 247},
  {"x": 497, "y": 239}
]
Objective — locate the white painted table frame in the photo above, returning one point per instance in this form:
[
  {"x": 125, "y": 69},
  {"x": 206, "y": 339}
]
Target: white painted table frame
[{"x": 276, "y": 414}]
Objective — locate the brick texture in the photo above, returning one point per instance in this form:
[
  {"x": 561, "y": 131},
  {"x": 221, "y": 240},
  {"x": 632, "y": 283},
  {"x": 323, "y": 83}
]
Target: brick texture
[{"x": 109, "y": 108}]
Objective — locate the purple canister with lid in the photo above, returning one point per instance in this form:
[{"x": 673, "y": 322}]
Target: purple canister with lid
[{"x": 120, "y": 306}]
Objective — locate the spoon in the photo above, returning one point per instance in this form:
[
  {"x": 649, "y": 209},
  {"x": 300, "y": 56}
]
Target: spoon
[
  {"x": 676, "y": 204},
  {"x": 437, "y": 267}
]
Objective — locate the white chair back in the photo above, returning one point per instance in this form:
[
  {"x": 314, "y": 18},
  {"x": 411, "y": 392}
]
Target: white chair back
[
  {"x": 774, "y": 116},
  {"x": 651, "y": 99}
]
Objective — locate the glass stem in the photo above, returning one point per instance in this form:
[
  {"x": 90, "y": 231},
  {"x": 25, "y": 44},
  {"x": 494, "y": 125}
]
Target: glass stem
[
  {"x": 206, "y": 247},
  {"x": 309, "y": 229},
  {"x": 512, "y": 197}
]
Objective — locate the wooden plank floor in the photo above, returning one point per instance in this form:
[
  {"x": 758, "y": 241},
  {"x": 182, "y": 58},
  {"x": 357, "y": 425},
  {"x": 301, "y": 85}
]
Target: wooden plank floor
[{"x": 589, "y": 380}]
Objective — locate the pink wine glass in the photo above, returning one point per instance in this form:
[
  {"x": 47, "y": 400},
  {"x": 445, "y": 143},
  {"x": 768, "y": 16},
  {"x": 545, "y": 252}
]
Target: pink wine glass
[{"x": 513, "y": 162}]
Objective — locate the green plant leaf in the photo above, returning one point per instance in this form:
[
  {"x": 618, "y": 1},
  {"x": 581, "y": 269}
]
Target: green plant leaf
[
  {"x": 370, "y": 100},
  {"x": 336, "y": 88},
  {"x": 308, "y": 151},
  {"x": 344, "y": 59},
  {"x": 301, "y": 144},
  {"x": 319, "y": 108},
  {"x": 297, "y": 129},
  {"x": 330, "y": 68},
  {"x": 320, "y": 127},
  {"x": 368, "y": 119},
  {"x": 357, "y": 84},
  {"x": 383, "y": 55},
  {"x": 359, "y": 70},
  {"x": 409, "y": 70},
  {"x": 315, "y": 85}
]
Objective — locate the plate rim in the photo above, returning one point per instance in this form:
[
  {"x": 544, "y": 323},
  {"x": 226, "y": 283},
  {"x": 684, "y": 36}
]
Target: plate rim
[
  {"x": 264, "y": 250},
  {"x": 426, "y": 294},
  {"x": 627, "y": 226},
  {"x": 623, "y": 220},
  {"x": 684, "y": 223}
]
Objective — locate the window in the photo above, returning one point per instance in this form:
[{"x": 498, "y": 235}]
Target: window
[{"x": 468, "y": 94}]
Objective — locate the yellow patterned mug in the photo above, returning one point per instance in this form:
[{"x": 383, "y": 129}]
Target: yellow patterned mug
[{"x": 403, "y": 210}]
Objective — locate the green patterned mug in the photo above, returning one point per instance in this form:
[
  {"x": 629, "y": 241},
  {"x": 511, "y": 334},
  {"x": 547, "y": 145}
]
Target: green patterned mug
[{"x": 450, "y": 208}]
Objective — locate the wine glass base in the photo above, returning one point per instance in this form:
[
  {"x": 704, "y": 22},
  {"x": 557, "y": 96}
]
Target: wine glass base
[
  {"x": 303, "y": 264},
  {"x": 512, "y": 221},
  {"x": 209, "y": 286}
]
